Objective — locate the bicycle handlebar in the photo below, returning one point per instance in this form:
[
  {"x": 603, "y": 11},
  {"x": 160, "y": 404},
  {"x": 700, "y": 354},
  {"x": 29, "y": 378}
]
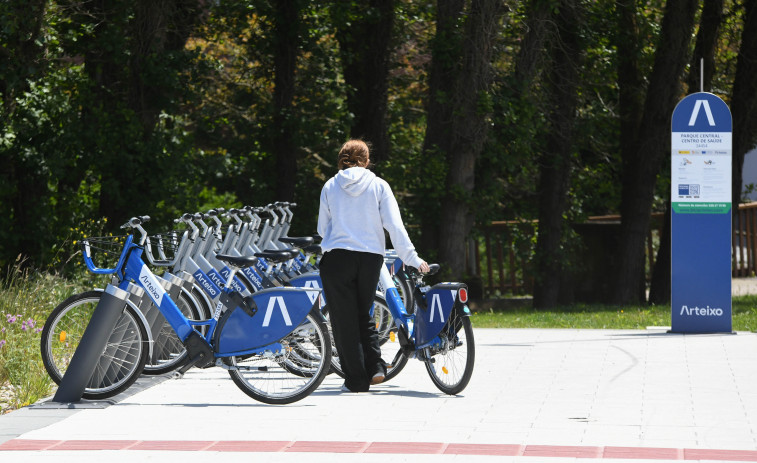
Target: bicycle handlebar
[{"x": 87, "y": 254}]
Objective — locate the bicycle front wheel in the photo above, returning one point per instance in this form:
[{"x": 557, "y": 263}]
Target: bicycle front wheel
[
  {"x": 168, "y": 352},
  {"x": 450, "y": 364},
  {"x": 121, "y": 362},
  {"x": 290, "y": 373}
]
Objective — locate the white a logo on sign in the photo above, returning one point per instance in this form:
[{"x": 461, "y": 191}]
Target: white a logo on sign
[
  {"x": 268, "y": 311},
  {"x": 699, "y": 105}
]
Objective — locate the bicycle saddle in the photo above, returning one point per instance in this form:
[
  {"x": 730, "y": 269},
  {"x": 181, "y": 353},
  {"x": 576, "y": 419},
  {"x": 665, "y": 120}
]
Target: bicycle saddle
[
  {"x": 299, "y": 242},
  {"x": 237, "y": 261},
  {"x": 313, "y": 249},
  {"x": 276, "y": 256}
]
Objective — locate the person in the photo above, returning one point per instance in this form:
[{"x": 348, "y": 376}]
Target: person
[{"x": 356, "y": 207}]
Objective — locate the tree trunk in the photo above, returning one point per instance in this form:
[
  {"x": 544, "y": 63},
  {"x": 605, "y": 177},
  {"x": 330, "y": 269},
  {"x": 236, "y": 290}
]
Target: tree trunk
[
  {"x": 443, "y": 76},
  {"x": 287, "y": 26},
  {"x": 642, "y": 162},
  {"x": 555, "y": 163},
  {"x": 469, "y": 129},
  {"x": 744, "y": 98},
  {"x": 530, "y": 56},
  {"x": 364, "y": 32},
  {"x": 706, "y": 43}
]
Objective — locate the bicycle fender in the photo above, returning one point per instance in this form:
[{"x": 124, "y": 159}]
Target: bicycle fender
[
  {"x": 310, "y": 280},
  {"x": 280, "y": 311},
  {"x": 439, "y": 302}
]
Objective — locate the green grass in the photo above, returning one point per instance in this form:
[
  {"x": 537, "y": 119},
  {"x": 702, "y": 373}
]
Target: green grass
[{"x": 599, "y": 316}]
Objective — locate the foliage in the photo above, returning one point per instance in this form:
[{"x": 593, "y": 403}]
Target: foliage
[{"x": 106, "y": 114}]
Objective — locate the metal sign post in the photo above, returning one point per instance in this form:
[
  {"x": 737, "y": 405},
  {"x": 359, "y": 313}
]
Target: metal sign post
[
  {"x": 701, "y": 215},
  {"x": 92, "y": 344}
]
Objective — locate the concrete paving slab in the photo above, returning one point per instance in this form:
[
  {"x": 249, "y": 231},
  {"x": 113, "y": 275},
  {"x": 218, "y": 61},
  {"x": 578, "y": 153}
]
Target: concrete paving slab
[{"x": 561, "y": 395}]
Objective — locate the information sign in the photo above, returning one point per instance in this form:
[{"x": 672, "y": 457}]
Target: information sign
[{"x": 701, "y": 215}]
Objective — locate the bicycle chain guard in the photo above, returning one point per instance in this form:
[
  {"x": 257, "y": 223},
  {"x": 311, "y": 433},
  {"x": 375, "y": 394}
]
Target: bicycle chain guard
[{"x": 199, "y": 352}]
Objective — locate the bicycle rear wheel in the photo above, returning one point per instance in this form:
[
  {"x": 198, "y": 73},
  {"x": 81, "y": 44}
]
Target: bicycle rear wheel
[
  {"x": 450, "y": 364},
  {"x": 121, "y": 362},
  {"x": 269, "y": 378},
  {"x": 388, "y": 340}
]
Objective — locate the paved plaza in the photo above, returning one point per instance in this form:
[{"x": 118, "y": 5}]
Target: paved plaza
[{"x": 535, "y": 395}]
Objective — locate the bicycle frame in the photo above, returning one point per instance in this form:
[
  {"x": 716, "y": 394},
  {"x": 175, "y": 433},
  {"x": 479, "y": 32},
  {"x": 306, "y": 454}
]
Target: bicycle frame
[{"x": 423, "y": 326}]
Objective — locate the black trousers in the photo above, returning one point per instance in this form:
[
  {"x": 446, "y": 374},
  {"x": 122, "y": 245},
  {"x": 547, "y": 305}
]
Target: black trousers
[{"x": 349, "y": 284}]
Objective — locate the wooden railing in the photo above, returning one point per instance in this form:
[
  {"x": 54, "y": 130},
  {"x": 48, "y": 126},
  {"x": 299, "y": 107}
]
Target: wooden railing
[
  {"x": 504, "y": 264},
  {"x": 501, "y": 257},
  {"x": 744, "y": 242}
]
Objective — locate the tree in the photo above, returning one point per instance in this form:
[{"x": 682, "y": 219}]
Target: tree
[
  {"x": 458, "y": 111},
  {"x": 643, "y": 154},
  {"x": 286, "y": 37},
  {"x": 364, "y": 32},
  {"x": 744, "y": 98},
  {"x": 566, "y": 52},
  {"x": 704, "y": 50},
  {"x": 23, "y": 193}
]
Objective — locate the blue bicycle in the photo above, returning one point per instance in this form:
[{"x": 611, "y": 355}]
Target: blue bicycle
[
  {"x": 435, "y": 330},
  {"x": 274, "y": 343}
]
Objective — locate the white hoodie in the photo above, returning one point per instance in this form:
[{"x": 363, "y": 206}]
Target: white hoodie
[{"x": 356, "y": 207}]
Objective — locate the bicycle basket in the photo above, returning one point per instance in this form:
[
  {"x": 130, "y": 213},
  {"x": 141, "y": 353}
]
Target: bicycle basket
[
  {"x": 165, "y": 245},
  {"x": 101, "y": 253}
]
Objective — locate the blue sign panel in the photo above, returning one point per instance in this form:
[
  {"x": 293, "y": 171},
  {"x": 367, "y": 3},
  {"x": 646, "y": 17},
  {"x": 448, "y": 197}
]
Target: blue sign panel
[{"x": 701, "y": 215}]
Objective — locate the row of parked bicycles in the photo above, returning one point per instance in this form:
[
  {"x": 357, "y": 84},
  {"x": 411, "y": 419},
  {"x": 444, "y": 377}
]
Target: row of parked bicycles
[{"x": 231, "y": 289}]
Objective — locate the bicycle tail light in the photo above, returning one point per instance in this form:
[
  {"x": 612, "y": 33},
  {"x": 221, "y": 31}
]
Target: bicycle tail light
[{"x": 463, "y": 295}]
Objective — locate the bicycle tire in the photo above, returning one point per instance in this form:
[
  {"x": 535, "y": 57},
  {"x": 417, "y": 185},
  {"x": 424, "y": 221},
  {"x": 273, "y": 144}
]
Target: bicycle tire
[
  {"x": 302, "y": 361},
  {"x": 121, "y": 362},
  {"x": 267, "y": 378},
  {"x": 205, "y": 309},
  {"x": 168, "y": 352},
  {"x": 451, "y": 365}
]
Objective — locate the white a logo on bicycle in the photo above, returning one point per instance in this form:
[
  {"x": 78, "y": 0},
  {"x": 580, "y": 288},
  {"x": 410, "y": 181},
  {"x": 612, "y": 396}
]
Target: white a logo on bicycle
[
  {"x": 272, "y": 302},
  {"x": 436, "y": 304},
  {"x": 151, "y": 285}
]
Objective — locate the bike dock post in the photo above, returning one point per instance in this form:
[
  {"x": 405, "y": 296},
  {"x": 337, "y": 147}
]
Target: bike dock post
[{"x": 92, "y": 344}]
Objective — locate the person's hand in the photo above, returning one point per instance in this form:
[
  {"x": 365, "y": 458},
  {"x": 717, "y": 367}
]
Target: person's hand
[{"x": 423, "y": 268}]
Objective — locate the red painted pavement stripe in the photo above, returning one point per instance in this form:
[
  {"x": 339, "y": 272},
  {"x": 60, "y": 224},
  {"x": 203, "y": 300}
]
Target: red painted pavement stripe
[
  {"x": 644, "y": 453},
  {"x": 406, "y": 448},
  {"x": 562, "y": 451},
  {"x": 28, "y": 444},
  {"x": 732, "y": 455},
  {"x": 249, "y": 446},
  {"x": 328, "y": 446},
  {"x": 485, "y": 449},
  {"x": 93, "y": 445},
  {"x": 190, "y": 446}
]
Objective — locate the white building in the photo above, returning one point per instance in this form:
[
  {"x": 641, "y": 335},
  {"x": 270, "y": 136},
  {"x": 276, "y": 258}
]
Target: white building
[{"x": 749, "y": 176}]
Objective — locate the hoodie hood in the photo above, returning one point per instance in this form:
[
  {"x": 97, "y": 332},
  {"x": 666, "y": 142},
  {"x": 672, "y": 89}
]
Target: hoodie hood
[{"x": 355, "y": 180}]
